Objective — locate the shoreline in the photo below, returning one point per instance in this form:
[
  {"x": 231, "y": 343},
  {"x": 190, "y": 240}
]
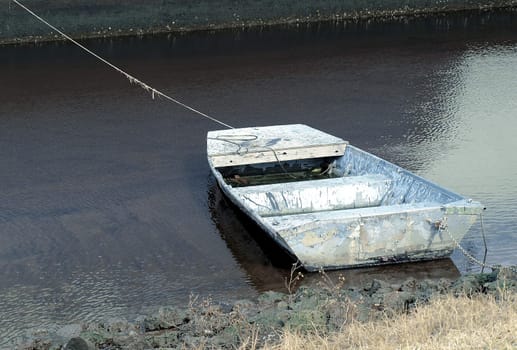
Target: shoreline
[
  {"x": 324, "y": 309},
  {"x": 19, "y": 27}
]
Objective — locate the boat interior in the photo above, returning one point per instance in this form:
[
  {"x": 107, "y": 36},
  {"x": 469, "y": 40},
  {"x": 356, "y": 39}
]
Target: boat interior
[{"x": 354, "y": 180}]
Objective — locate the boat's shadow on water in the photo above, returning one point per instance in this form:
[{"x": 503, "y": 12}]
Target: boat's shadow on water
[
  {"x": 268, "y": 267},
  {"x": 264, "y": 262}
]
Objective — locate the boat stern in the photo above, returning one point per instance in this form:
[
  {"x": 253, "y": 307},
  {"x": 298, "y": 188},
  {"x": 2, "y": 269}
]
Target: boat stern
[{"x": 375, "y": 236}]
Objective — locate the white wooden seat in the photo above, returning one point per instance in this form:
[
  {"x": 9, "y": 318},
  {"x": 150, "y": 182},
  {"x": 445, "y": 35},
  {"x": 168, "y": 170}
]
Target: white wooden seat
[
  {"x": 313, "y": 196},
  {"x": 270, "y": 144}
]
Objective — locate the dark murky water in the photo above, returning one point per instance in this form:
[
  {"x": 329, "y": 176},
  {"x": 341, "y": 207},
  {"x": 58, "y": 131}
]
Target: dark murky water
[{"x": 107, "y": 207}]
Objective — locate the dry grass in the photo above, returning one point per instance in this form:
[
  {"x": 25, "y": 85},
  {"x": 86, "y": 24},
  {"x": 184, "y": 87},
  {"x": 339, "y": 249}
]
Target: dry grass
[{"x": 447, "y": 322}]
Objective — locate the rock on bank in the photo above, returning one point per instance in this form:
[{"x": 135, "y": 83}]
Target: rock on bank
[
  {"x": 87, "y": 18},
  {"x": 210, "y": 324}
]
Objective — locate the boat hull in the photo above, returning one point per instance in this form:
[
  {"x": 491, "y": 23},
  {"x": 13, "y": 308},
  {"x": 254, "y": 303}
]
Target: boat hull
[
  {"x": 363, "y": 237},
  {"x": 372, "y": 213}
]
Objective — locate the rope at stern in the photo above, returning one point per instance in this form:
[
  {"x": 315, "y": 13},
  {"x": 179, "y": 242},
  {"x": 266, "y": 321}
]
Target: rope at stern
[{"x": 444, "y": 228}]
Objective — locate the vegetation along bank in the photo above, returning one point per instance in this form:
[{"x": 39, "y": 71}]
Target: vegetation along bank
[
  {"x": 473, "y": 311},
  {"x": 105, "y": 18}
]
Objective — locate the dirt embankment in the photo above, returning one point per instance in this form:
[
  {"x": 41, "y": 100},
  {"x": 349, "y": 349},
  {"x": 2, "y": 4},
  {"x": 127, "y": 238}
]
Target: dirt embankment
[
  {"x": 327, "y": 308},
  {"x": 108, "y": 18}
]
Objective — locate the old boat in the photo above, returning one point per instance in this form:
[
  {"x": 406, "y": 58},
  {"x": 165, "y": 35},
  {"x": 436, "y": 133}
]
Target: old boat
[{"x": 332, "y": 205}]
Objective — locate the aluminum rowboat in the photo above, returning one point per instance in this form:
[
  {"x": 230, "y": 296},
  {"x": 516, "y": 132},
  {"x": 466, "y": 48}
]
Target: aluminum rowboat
[{"x": 332, "y": 205}]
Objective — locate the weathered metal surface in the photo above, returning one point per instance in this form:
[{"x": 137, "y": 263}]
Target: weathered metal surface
[
  {"x": 269, "y": 144},
  {"x": 376, "y": 213},
  {"x": 408, "y": 187},
  {"x": 369, "y": 236},
  {"x": 316, "y": 195}
]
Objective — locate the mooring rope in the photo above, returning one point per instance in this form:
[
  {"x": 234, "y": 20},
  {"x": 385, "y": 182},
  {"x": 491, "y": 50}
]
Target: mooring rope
[
  {"x": 232, "y": 139},
  {"x": 444, "y": 227},
  {"x": 131, "y": 78}
]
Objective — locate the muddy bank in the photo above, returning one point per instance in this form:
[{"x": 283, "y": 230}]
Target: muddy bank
[
  {"x": 86, "y": 19},
  {"x": 214, "y": 324}
]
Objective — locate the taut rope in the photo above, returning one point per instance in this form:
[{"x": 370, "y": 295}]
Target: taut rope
[{"x": 131, "y": 78}]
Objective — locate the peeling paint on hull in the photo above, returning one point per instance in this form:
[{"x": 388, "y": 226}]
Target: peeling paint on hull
[{"x": 364, "y": 237}]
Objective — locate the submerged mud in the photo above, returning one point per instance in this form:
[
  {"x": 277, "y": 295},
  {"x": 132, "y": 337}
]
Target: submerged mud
[{"x": 214, "y": 324}]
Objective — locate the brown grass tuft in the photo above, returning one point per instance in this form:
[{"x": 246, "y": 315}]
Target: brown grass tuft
[{"x": 447, "y": 322}]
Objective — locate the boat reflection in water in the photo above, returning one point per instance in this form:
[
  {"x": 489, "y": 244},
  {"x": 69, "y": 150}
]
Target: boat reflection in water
[{"x": 268, "y": 266}]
